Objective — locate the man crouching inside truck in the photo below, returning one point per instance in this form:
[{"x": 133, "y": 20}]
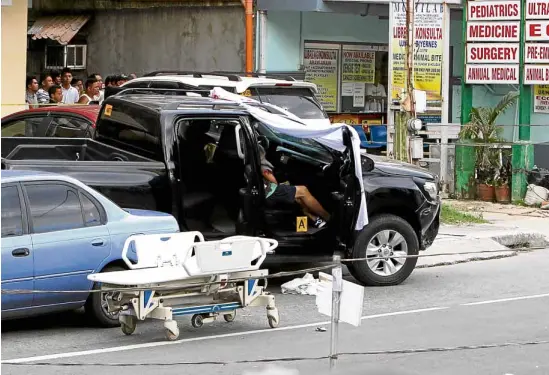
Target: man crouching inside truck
[{"x": 283, "y": 193}]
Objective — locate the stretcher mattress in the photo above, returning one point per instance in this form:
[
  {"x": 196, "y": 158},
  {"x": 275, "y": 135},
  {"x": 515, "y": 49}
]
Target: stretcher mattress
[{"x": 144, "y": 276}]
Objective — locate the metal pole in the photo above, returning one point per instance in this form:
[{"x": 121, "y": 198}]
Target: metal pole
[
  {"x": 337, "y": 288},
  {"x": 464, "y": 184},
  {"x": 444, "y": 178},
  {"x": 445, "y": 95},
  {"x": 446, "y": 73},
  {"x": 390, "y": 112},
  {"x": 262, "y": 41},
  {"x": 523, "y": 151}
]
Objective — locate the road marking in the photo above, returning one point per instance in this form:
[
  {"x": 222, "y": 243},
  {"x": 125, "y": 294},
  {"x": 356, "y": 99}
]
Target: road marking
[
  {"x": 203, "y": 338},
  {"x": 506, "y": 300}
]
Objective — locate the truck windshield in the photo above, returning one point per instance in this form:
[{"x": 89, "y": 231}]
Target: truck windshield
[
  {"x": 298, "y": 100},
  {"x": 314, "y": 148}
]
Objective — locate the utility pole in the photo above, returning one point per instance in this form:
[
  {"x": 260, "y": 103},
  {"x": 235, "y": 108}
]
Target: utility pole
[{"x": 402, "y": 145}]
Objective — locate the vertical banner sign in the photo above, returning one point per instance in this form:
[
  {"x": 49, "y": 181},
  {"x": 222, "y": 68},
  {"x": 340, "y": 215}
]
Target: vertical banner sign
[
  {"x": 321, "y": 69},
  {"x": 536, "y": 48},
  {"x": 428, "y": 50},
  {"x": 493, "y": 36},
  {"x": 541, "y": 98}
]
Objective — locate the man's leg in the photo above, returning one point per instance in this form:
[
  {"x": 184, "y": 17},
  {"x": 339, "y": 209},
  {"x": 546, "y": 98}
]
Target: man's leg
[{"x": 304, "y": 197}]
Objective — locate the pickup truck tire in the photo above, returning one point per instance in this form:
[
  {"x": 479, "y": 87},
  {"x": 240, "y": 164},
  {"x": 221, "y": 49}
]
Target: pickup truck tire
[
  {"x": 94, "y": 309},
  {"x": 386, "y": 234}
]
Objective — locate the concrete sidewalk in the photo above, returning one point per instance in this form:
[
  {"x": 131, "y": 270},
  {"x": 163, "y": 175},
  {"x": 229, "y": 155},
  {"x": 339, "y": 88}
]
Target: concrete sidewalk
[{"x": 511, "y": 232}]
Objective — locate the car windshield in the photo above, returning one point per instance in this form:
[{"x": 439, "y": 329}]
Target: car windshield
[
  {"x": 316, "y": 149},
  {"x": 299, "y": 101}
]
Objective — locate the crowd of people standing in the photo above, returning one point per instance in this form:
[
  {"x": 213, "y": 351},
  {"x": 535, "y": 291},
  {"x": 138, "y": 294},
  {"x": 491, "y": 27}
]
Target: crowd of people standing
[{"x": 61, "y": 87}]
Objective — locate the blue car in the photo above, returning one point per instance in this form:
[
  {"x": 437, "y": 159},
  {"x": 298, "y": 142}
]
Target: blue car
[{"x": 55, "y": 232}]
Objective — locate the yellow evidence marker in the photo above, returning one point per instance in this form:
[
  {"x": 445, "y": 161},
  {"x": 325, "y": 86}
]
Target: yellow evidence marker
[{"x": 301, "y": 224}]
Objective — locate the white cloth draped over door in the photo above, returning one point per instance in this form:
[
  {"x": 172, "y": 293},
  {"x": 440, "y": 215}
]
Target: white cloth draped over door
[{"x": 329, "y": 135}]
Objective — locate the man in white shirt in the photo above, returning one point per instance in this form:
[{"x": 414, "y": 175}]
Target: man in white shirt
[
  {"x": 375, "y": 94},
  {"x": 70, "y": 94}
]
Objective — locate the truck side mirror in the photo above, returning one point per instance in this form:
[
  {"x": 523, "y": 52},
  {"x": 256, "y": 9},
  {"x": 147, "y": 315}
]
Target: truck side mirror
[{"x": 367, "y": 164}]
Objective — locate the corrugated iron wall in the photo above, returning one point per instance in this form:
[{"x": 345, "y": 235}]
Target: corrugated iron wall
[{"x": 186, "y": 38}]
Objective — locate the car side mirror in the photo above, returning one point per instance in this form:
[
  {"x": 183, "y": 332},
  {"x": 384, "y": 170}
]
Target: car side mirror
[{"x": 367, "y": 164}]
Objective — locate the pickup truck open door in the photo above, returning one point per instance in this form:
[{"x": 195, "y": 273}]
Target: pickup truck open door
[{"x": 348, "y": 197}]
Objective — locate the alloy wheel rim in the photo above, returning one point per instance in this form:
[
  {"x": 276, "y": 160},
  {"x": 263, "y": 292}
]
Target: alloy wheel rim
[
  {"x": 105, "y": 307},
  {"x": 382, "y": 250}
]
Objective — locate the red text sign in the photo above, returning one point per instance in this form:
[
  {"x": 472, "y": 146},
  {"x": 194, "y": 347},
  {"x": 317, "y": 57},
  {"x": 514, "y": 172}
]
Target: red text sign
[
  {"x": 493, "y": 31},
  {"x": 492, "y": 74},
  {"x": 537, "y": 30},
  {"x": 493, "y": 10},
  {"x": 536, "y": 74},
  {"x": 536, "y": 53},
  {"x": 492, "y": 53},
  {"x": 537, "y": 10}
]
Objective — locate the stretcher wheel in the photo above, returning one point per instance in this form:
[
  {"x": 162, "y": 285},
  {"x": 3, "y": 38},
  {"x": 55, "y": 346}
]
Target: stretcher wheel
[
  {"x": 128, "y": 324},
  {"x": 273, "y": 317},
  {"x": 230, "y": 317},
  {"x": 172, "y": 335},
  {"x": 171, "y": 330},
  {"x": 197, "y": 321}
]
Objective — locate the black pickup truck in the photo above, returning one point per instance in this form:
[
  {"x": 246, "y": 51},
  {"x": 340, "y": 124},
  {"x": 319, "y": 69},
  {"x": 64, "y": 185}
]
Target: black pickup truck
[{"x": 198, "y": 159}]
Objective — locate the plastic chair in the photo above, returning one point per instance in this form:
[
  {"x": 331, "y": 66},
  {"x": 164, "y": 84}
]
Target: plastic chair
[{"x": 362, "y": 136}]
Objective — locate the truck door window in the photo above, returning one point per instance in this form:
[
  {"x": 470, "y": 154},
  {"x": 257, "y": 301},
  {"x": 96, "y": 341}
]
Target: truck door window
[
  {"x": 54, "y": 207},
  {"x": 135, "y": 128},
  {"x": 12, "y": 219},
  {"x": 299, "y": 100}
]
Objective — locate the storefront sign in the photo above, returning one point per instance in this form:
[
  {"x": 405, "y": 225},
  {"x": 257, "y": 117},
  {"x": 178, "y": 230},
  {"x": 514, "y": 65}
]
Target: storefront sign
[
  {"x": 428, "y": 48},
  {"x": 536, "y": 74},
  {"x": 508, "y": 31},
  {"x": 537, "y": 31},
  {"x": 493, "y": 10},
  {"x": 493, "y": 53},
  {"x": 492, "y": 74},
  {"x": 536, "y": 53},
  {"x": 358, "y": 66},
  {"x": 541, "y": 98},
  {"x": 321, "y": 69},
  {"x": 537, "y": 9}
]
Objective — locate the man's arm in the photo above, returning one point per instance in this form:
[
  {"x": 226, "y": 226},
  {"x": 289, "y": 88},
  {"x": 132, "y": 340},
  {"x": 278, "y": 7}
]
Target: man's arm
[{"x": 269, "y": 176}]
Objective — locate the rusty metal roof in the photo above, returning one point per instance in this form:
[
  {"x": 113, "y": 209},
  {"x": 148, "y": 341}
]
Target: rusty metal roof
[{"x": 59, "y": 28}]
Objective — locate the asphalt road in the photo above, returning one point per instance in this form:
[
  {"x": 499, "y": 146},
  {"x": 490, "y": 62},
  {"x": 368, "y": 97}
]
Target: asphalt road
[{"x": 479, "y": 303}]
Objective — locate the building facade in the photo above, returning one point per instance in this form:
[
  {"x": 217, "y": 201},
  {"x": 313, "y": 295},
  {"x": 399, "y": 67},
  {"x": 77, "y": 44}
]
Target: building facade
[
  {"x": 136, "y": 37},
  {"x": 14, "y": 42},
  {"x": 295, "y": 34}
]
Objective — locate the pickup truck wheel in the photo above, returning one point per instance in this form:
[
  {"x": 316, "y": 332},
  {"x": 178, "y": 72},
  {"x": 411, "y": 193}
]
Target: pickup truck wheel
[
  {"x": 385, "y": 237},
  {"x": 96, "y": 306}
]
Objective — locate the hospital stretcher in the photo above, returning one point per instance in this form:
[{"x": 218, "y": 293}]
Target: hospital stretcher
[{"x": 181, "y": 274}]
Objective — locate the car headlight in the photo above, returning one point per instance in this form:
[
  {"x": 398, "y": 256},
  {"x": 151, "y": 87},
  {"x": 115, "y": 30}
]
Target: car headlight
[{"x": 431, "y": 189}]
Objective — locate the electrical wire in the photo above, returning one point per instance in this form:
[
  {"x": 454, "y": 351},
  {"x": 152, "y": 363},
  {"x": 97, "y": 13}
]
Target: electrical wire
[
  {"x": 272, "y": 276},
  {"x": 289, "y": 359}
]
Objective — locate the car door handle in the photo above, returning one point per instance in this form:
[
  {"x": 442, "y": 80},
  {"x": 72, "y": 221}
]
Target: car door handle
[
  {"x": 22, "y": 252},
  {"x": 98, "y": 242}
]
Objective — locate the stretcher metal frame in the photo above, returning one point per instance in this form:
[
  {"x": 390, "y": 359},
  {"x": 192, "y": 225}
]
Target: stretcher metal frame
[{"x": 203, "y": 296}]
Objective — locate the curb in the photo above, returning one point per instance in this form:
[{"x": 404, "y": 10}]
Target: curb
[{"x": 510, "y": 245}]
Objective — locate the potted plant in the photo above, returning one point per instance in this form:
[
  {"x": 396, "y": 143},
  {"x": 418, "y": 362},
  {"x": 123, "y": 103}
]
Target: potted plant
[
  {"x": 483, "y": 131},
  {"x": 503, "y": 189}
]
